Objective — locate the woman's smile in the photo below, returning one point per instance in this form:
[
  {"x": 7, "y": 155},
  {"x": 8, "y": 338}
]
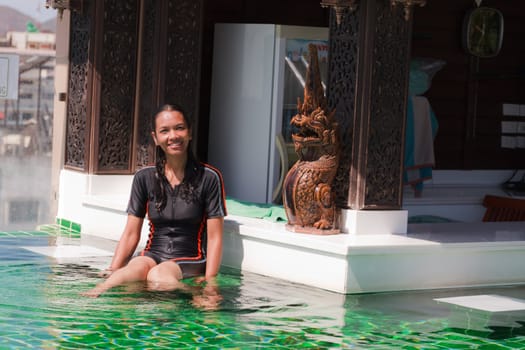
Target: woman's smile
[{"x": 176, "y": 145}]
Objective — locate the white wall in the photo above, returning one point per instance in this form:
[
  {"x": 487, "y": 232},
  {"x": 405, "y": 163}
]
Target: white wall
[{"x": 97, "y": 202}]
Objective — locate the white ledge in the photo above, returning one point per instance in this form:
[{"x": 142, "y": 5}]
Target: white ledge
[
  {"x": 451, "y": 194},
  {"x": 429, "y": 256},
  {"x": 113, "y": 202}
]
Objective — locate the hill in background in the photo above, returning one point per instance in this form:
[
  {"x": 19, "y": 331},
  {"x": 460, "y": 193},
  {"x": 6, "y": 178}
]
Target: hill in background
[{"x": 13, "y": 20}]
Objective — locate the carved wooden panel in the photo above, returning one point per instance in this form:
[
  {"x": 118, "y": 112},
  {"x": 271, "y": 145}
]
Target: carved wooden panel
[
  {"x": 117, "y": 70},
  {"x": 183, "y": 55},
  {"x": 341, "y": 93},
  {"x": 105, "y": 49},
  {"x": 148, "y": 82},
  {"x": 387, "y": 109},
  {"x": 77, "y": 103},
  {"x": 367, "y": 77}
]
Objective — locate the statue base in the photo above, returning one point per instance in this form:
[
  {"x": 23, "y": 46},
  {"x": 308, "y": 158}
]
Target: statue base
[{"x": 373, "y": 222}]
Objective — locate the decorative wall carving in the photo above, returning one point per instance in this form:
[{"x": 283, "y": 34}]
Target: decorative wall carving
[
  {"x": 387, "y": 110},
  {"x": 144, "y": 147},
  {"x": 184, "y": 55},
  {"x": 77, "y": 111},
  {"x": 104, "y": 43},
  {"x": 117, "y": 71},
  {"x": 367, "y": 77},
  {"x": 342, "y": 80}
]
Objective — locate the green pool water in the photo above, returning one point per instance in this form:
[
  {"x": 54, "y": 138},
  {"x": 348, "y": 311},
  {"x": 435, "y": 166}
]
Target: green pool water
[{"x": 41, "y": 308}]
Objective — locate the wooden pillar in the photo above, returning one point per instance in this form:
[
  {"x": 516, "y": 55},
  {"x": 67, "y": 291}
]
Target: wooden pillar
[{"x": 368, "y": 78}]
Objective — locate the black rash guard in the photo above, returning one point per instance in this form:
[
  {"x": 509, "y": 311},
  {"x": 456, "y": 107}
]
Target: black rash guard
[{"x": 178, "y": 232}]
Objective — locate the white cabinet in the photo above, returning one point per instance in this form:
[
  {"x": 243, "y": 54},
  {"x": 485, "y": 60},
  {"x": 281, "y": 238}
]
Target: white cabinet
[{"x": 249, "y": 93}]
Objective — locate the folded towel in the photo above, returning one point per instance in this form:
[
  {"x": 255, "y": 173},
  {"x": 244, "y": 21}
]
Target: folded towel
[{"x": 256, "y": 210}]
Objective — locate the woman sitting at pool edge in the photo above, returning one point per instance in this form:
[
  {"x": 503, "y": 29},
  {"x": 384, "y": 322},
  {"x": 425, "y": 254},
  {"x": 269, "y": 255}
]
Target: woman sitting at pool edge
[{"x": 185, "y": 203}]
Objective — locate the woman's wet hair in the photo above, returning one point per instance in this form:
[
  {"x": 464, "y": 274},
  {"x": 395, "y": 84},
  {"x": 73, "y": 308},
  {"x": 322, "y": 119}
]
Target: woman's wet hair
[
  {"x": 192, "y": 173},
  {"x": 170, "y": 107}
]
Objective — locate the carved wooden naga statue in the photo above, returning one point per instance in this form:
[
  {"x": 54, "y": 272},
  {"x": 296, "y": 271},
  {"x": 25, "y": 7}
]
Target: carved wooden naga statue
[{"x": 307, "y": 189}]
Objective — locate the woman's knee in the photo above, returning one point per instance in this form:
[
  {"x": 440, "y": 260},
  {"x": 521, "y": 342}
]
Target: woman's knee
[
  {"x": 165, "y": 272},
  {"x": 142, "y": 265}
]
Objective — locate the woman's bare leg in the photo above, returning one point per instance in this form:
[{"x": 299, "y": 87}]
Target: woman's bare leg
[
  {"x": 165, "y": 276},
  {"x": 136, "y": 270}
]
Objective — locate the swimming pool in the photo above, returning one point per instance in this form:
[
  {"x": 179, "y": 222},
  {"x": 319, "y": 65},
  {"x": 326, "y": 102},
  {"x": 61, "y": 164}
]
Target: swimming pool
[{"x": 40, "y": 307}]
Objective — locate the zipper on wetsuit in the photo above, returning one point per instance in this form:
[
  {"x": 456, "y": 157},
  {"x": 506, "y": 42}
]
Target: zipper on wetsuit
[{"x": 175, "y": 192}]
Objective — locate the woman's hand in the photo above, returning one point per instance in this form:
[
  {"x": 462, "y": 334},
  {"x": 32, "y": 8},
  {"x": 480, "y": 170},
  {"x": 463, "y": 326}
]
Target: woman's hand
[
  {"x": 209, "y": 297},
  {"x": 105, "y": 273}
]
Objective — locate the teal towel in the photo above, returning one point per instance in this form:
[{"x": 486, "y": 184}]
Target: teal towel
[
  {"x": 265, "y": 211},
  {"x": 428, "y": 219}
]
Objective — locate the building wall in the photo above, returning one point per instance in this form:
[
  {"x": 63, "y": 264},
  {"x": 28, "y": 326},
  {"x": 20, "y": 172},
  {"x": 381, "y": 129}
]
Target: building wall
[
  {"x": 25, "y": 40},
  {"x": 468, "y": 94},
  {"x": 466, "y": 139}
]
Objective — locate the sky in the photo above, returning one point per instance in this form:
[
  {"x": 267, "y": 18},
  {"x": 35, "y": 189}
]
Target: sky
[{"x": 33, "y": 8}]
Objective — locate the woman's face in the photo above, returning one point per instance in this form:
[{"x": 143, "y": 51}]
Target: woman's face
[{"x": 171, "y": 133}]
